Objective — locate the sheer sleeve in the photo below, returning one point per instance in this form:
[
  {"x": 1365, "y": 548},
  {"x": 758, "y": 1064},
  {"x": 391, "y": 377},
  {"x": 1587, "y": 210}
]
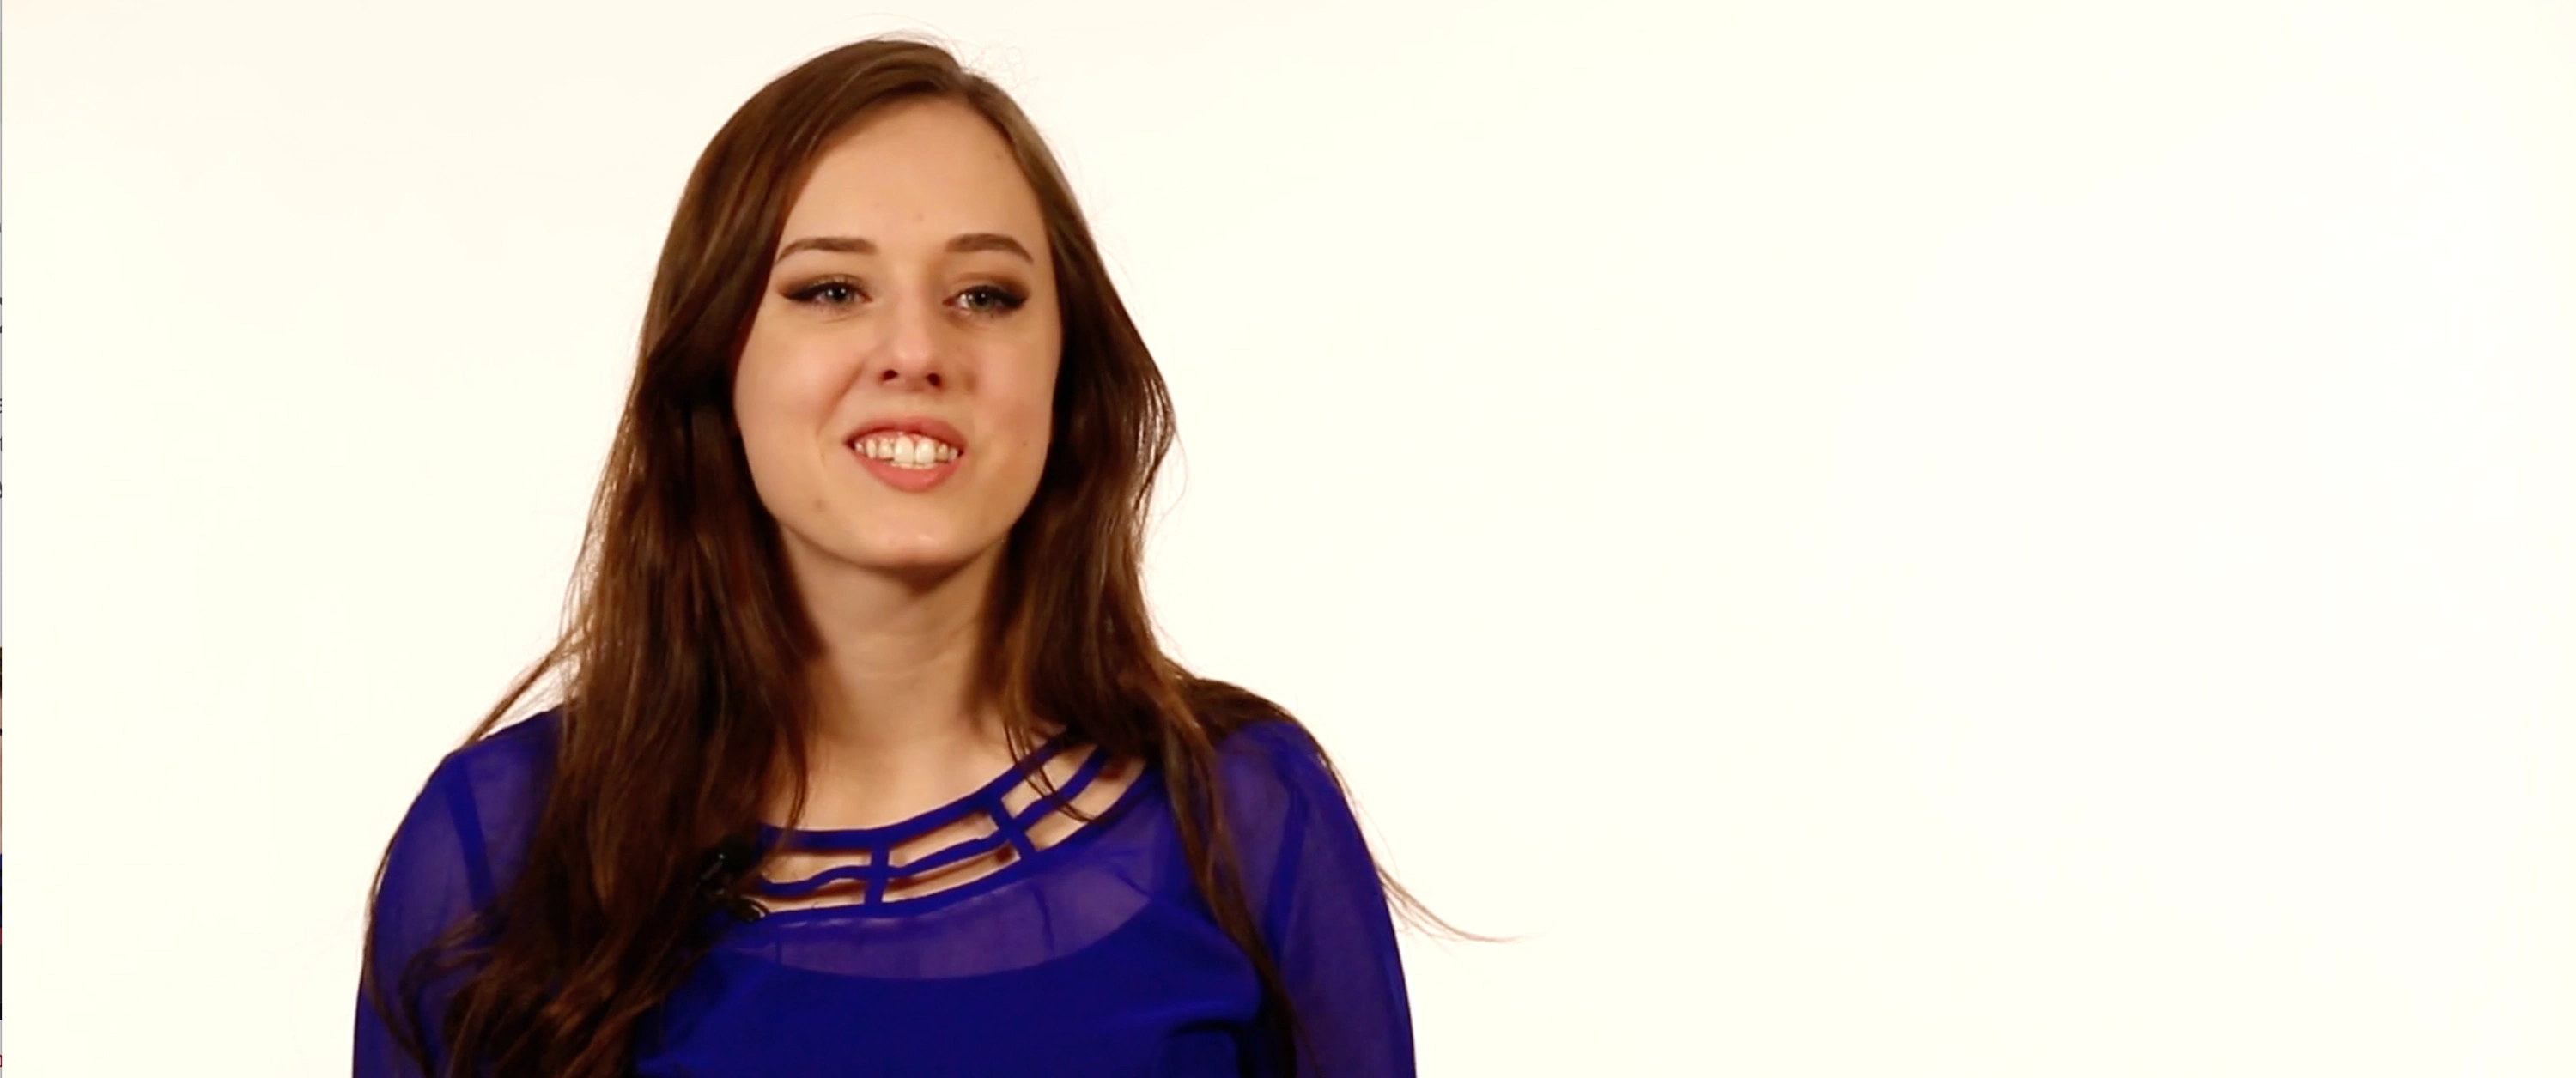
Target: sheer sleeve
[
  {"x": 451, "y": 855},
  {"x": 1322, "y": 910}
]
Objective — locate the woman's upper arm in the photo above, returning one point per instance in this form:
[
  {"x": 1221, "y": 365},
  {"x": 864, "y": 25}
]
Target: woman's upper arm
[
  {"x": 1322, "y": 910},
  {"x": 446, "y": 862}
]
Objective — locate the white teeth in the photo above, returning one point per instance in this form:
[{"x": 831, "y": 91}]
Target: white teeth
[{"x": 906, "y": 450}]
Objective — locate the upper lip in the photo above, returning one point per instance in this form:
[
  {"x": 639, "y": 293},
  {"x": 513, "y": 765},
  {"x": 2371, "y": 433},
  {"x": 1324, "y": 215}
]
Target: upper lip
[{"x": 921, "y": 425}]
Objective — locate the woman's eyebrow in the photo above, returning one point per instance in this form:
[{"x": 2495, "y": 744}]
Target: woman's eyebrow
[{"x": 963, "y": 243}]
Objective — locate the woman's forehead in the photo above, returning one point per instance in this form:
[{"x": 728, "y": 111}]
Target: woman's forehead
[{"x": 922, "y": 172}]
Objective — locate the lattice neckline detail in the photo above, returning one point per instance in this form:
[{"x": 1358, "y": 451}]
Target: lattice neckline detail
[{"x": 879, "y": 844}]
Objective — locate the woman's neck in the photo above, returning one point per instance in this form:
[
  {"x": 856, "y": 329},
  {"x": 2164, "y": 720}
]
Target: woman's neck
[{"x": 900, "y": 719}]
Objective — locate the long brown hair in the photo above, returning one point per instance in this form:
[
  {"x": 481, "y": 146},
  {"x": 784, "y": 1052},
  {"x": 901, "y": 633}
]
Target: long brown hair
[{"x": 682, "y": 662}]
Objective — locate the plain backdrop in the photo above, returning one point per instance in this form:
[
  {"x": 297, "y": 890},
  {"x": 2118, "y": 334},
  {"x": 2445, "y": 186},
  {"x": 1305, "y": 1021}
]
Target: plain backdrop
[{"x": 1885, "y": 539}]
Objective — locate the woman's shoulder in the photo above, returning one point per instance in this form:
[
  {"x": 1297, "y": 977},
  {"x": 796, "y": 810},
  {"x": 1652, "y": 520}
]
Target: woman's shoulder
[
  {"x": 1271, "y": 764},
  {"x": 1239, "y": 719},
  {"x": 1255, "y": 738},
  {"x": 509, "y": 763},
  {"x": 482, "y": 801},
  {"x": 1282, "y": 745},
  {"x": 1291, "y": 819}
]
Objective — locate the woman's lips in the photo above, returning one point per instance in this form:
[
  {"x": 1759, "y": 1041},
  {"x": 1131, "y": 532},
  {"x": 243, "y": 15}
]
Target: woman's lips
[
  {"x": 912, "y": 479},
  {"x": 914, "y": 459},
  {"x": 911, "y": 424}
]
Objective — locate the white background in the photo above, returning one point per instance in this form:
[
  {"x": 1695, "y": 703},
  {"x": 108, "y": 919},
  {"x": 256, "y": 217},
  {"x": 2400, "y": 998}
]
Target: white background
[{"x": 1889, "y": 539}]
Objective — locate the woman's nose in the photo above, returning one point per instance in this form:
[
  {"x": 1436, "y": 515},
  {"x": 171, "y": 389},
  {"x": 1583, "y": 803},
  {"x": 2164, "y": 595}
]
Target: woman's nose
[{"x": 914, "y": 349}]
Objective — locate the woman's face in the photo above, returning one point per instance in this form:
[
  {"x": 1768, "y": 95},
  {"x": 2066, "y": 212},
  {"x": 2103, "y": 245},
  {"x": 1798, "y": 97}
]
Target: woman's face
[{"x": 895, "y": 394}]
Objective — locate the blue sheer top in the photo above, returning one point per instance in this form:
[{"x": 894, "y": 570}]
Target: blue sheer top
[{"x": 1087, "y": 952}]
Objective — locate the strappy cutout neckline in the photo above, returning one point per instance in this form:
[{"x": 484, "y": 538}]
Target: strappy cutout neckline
[{"x": 856, "y": 869}]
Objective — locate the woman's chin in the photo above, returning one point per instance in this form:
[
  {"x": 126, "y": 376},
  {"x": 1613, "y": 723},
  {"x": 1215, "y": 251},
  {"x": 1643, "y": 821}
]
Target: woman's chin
[
  {"x": 928, "y": 562},
  {"x": 924, "y": 557}
]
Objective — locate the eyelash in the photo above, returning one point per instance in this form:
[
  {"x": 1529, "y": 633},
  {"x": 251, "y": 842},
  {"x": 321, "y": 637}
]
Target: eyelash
[{"x": 1003, "y": 299}]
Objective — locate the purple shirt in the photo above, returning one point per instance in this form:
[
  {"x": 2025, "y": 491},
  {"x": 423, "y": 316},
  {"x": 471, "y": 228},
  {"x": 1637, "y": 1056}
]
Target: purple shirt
[{"x": 1092, "y": 956}]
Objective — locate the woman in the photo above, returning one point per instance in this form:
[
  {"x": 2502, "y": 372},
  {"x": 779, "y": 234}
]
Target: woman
[{"x": 868, "y": 760}]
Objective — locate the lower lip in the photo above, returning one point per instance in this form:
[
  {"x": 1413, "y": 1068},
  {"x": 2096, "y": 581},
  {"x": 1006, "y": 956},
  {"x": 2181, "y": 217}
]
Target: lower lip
[{"x": 907, "y": 479}]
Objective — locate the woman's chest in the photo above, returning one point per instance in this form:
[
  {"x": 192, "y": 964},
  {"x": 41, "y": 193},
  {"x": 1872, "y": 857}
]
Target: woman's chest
[{"x": 1159, "y": 999}]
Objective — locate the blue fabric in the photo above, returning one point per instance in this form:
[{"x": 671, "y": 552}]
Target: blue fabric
[{"x": 1094, "y": 956}]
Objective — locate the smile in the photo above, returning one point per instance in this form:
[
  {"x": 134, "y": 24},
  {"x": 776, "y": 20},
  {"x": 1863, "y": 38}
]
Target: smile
[
  {"x": 905, "y": 460},
  {"x": 912, "y": 452}
]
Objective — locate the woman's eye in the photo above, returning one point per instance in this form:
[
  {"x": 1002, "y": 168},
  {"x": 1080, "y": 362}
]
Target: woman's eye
[
  {"x": 982, "y": 300},
  {"x": 991, "y": 300},
  {"x": 827, "y": 293}
]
